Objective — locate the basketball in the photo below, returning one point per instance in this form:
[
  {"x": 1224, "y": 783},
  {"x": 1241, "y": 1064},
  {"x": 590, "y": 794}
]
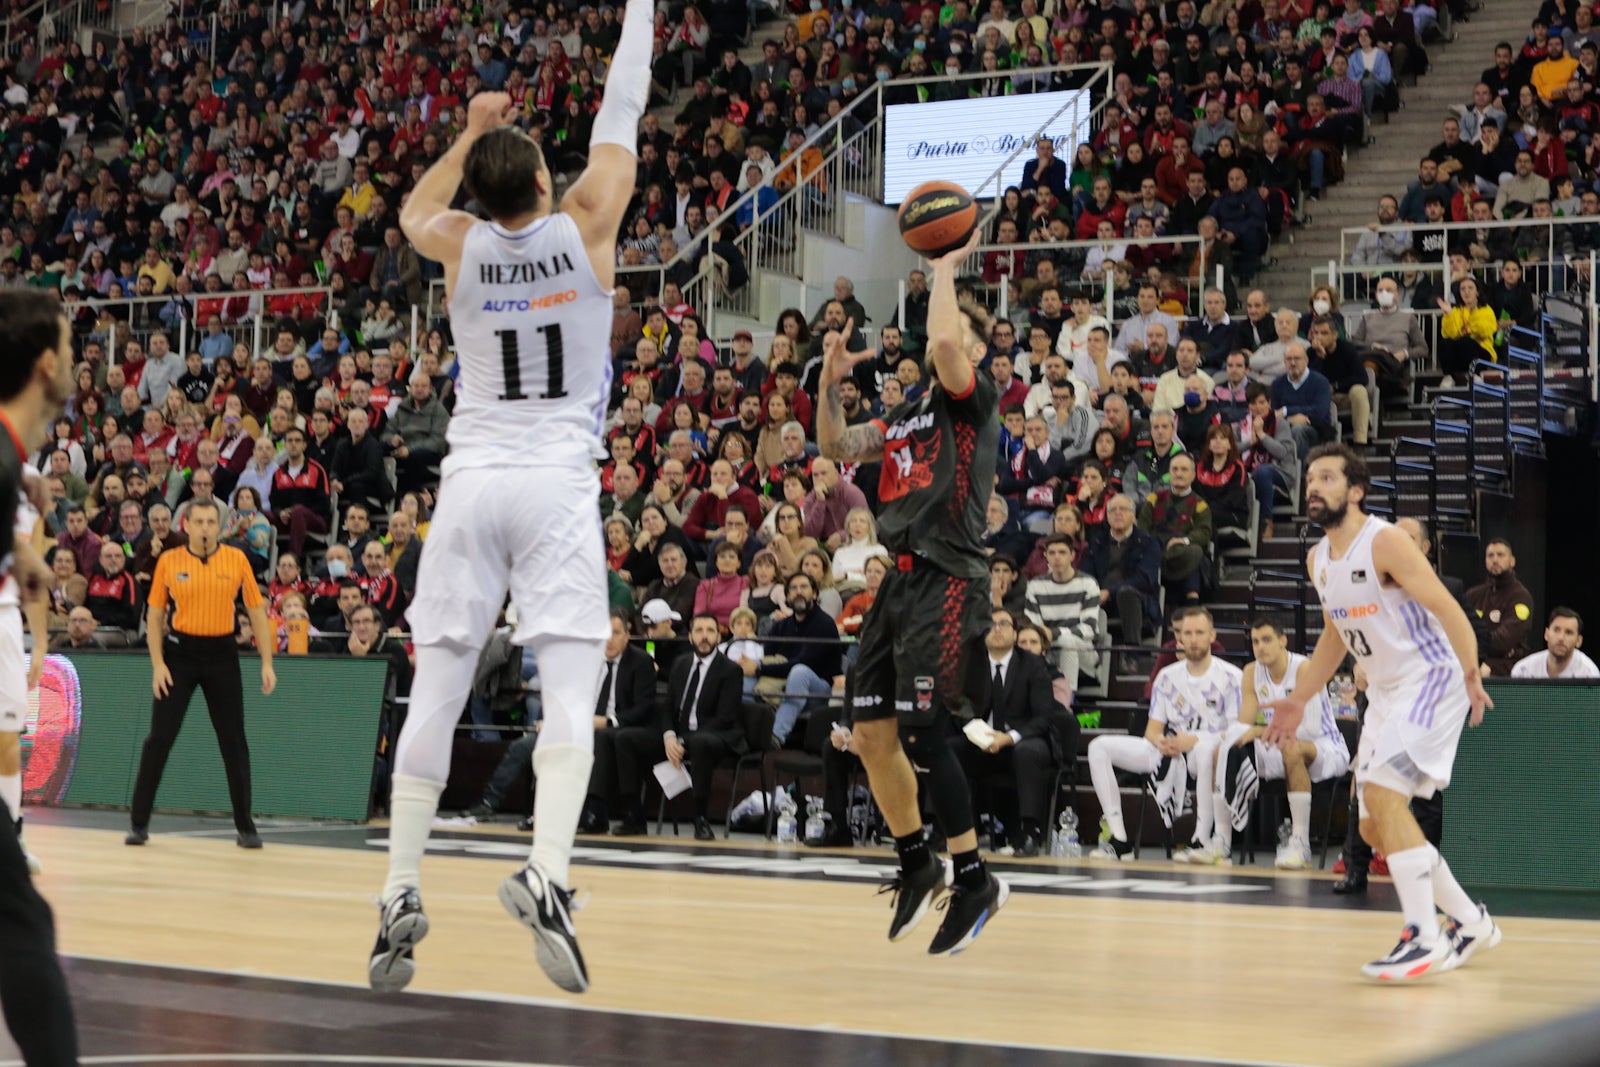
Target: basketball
[{"x": 937, "y": 217}]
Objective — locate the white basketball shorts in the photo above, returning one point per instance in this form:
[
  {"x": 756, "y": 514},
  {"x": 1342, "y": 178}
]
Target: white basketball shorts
[
  {"x": 1410, "y": 734},
  {"x": 13, "y": 672},
  {"x": 1331, "y": 762},
  {"x": 532, "y": 530}
]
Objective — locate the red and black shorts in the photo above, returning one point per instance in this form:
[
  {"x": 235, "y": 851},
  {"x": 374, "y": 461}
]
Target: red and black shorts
[{"x": 921, "y": 652}]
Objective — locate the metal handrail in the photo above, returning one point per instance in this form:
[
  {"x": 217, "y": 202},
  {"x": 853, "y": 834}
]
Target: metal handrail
[{"x": 255, "y": 317}]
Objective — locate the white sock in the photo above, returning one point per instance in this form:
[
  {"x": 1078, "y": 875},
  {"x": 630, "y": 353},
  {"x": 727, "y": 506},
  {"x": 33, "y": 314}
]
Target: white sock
[
  {"x": 1412, "y": 871},
  {"x": 11, "y": 793},
  {"x": 1300, "y": 815},
  {"x": 1114, "y": 824},
  {"x": 563, "y": 783},
  {"x": 1224, "y": 824},
  {"x": 1448, "y": 894},
  {"x": 412, "y": 805}
]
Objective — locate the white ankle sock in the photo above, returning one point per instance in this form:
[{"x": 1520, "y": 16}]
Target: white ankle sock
[
  {"x": 1223, "y": 832},
  {"x": 1412, "y": 871},
  {"x": 1448, "y": 894},
  {"x": 1300, "y": 815},
  {"x": 11, "y": 793},
  {"x": 412, "y": 805},
  {"x": 563, "y": 783}
]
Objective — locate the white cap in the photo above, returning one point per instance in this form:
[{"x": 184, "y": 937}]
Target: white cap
[{"x": 658, "y": 611}]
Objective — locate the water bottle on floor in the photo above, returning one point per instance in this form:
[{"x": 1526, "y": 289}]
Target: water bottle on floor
[
  {"x": 788, "y": 826},
  {"x": 816, "y": 829},
  {"x": 1072, "y": 847},
  {"x": 1285, "y": 835}
]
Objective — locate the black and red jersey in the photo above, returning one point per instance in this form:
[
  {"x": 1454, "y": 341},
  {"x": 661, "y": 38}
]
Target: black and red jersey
[
  {"x": 308, "y": 486},
  {"x": 939, "y": 457}
]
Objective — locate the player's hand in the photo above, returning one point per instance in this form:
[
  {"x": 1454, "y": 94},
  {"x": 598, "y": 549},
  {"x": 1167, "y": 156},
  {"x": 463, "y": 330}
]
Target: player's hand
[
  {"x": 488, "y": 111},
  {"x": 1478, "y": 697},
  {"x": 269, "y": 678},
  {"x": 837, "y": 361},
  {"x": 1168, "y": 746},
  {"x": 160, "y": 680},
  {"x": 35, "y": 668},
  {"x": 951, "y": 261},
  {"x": 1287, "y": 714}
]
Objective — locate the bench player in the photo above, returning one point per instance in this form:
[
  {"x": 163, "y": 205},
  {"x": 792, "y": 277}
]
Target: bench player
[
  {"x": 1382, "y": 601},
  {"x": 530, "y": 303},
  {"x": 1316, "y": 753},
  {"x": 1191, "y": 704}
]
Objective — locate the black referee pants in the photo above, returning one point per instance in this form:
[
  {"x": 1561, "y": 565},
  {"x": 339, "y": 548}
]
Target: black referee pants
[
  {"x": 212, "y": 664},
  {"x": 33, "y": 991}
]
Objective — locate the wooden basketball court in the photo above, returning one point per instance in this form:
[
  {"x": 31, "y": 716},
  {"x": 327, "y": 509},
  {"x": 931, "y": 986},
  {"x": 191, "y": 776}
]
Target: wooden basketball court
[{"x": 744, "y": 953}]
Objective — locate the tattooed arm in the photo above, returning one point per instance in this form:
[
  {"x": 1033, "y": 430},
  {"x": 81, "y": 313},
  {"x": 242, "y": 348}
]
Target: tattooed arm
[
  {"x": 842, "y": 443},
  {"x": 836, "y": 440}
]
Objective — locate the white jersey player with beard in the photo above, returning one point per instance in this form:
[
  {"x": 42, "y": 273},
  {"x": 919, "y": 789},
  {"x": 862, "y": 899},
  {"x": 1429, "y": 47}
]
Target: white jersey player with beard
[
  {"x": 1383, "y": 604},
  {"x": 529, "y": 295}
]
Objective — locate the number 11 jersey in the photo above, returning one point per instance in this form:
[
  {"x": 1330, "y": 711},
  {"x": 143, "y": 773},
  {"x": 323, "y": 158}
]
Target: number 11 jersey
[
  {"x": 532, "y": 328},
  {"x": 1398, "y": 641}
]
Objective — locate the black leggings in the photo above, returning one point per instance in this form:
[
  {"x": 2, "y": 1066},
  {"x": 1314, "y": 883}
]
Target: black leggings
[
  {"x": 212, "y": 665},
  {"x": 33, "y": 991},
  {"x": 1457, "y": 354}
]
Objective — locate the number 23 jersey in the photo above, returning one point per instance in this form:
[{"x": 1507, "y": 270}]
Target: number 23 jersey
[
  {"x": 1396, "y": 639},
  {"x": 532, "y": 327}
]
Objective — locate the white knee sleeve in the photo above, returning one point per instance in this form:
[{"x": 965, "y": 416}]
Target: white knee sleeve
[
  {"x": 570, "y": 672},
  {"x": 443, "y": 682}
]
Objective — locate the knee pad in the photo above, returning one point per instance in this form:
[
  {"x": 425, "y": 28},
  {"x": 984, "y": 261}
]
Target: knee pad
[{"x": 923, "y": 743}]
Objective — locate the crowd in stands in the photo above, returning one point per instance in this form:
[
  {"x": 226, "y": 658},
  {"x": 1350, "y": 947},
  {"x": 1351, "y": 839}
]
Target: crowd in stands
[{"x": 189, "y": 195}]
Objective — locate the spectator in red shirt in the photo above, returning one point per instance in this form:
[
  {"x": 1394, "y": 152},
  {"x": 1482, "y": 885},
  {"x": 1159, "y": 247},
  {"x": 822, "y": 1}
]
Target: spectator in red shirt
[
  {"x": 288, "y": 579},
  {"x": 155, "y": 434},
  {"x": 704, "y": 524},
  {"x": 379, "y": 584},
  {"x": 301, "y": 500},
  {"x": 113, "y": 596}
]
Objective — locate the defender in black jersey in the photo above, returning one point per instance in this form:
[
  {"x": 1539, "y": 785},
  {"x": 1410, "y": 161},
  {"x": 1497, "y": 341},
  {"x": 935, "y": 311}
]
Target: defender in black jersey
[
  {"x": 35, "y": 377},
  {"x": 921, "y": 655}
]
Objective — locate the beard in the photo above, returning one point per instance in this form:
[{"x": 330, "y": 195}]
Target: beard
[{"x": 1325, "y": 515}]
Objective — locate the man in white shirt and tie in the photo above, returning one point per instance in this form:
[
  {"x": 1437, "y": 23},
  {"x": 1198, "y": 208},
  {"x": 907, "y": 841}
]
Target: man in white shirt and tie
[
  {"x": 627, "y": 700},
  {"x": 701, "y": 723},
  {"x": 1029, "y": 735}
]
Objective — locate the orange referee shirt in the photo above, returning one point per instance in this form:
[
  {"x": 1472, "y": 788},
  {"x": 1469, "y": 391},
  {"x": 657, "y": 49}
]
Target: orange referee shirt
[{"x": 203, "y": 591}]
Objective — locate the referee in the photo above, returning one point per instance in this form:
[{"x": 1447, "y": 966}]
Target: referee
[{"x": 201, "y": 580}]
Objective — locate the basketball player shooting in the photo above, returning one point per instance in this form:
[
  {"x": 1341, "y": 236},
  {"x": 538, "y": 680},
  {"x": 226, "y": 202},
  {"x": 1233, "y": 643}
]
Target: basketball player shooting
[
  {"x": 529, "y": 296},
  {"x": 1382, "y": 601},
  {"x": 922, "y": 650}
]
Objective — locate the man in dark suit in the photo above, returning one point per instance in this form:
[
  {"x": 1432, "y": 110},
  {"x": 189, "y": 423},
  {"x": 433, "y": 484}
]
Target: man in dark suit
[
  {"x": 1127, "y": 564},
  {"x": 701, "y": 721},
  {"x": 1029, "y": 730},
  {"x": 627, "y": 701}
]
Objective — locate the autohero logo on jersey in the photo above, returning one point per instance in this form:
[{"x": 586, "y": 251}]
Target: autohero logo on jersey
[
  {"x": 1360, "y": 611},
  {"x": 528, "y": 273}
]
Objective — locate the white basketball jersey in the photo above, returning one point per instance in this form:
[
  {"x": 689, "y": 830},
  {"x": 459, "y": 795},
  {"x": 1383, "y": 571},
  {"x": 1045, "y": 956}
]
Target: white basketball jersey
[
  {"x": 1319, "y": 723},
  {"x": 533, "y": 344},
  {"x": 22, "y": 530},
  {"x": 1197, "y": 704},
  {"x": 1397, "y": 641}
]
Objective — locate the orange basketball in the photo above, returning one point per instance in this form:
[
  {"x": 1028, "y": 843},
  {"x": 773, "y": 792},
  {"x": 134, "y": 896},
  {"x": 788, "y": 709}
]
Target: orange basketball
[{"x": 937, "y": 217}]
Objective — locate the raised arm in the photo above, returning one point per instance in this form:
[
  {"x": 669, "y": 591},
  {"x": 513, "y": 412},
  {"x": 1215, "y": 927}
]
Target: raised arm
[
  {"x": 946, "y": 350},
  {"x": 835, "y": 439},
  {"x": 600, "y": 196},
  {"x": 432, "y": 228}
]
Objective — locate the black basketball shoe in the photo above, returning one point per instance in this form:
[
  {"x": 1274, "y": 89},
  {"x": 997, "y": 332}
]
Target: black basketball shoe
[
  {"x": 966, "y": 913},
  {"x": 531, "y": 898},
  {"x": 915, "y": 893},
  {"x": 401, "y": 925}
]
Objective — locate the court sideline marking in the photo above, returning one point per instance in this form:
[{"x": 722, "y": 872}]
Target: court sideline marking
[{"x": 551, "y": 1002}]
